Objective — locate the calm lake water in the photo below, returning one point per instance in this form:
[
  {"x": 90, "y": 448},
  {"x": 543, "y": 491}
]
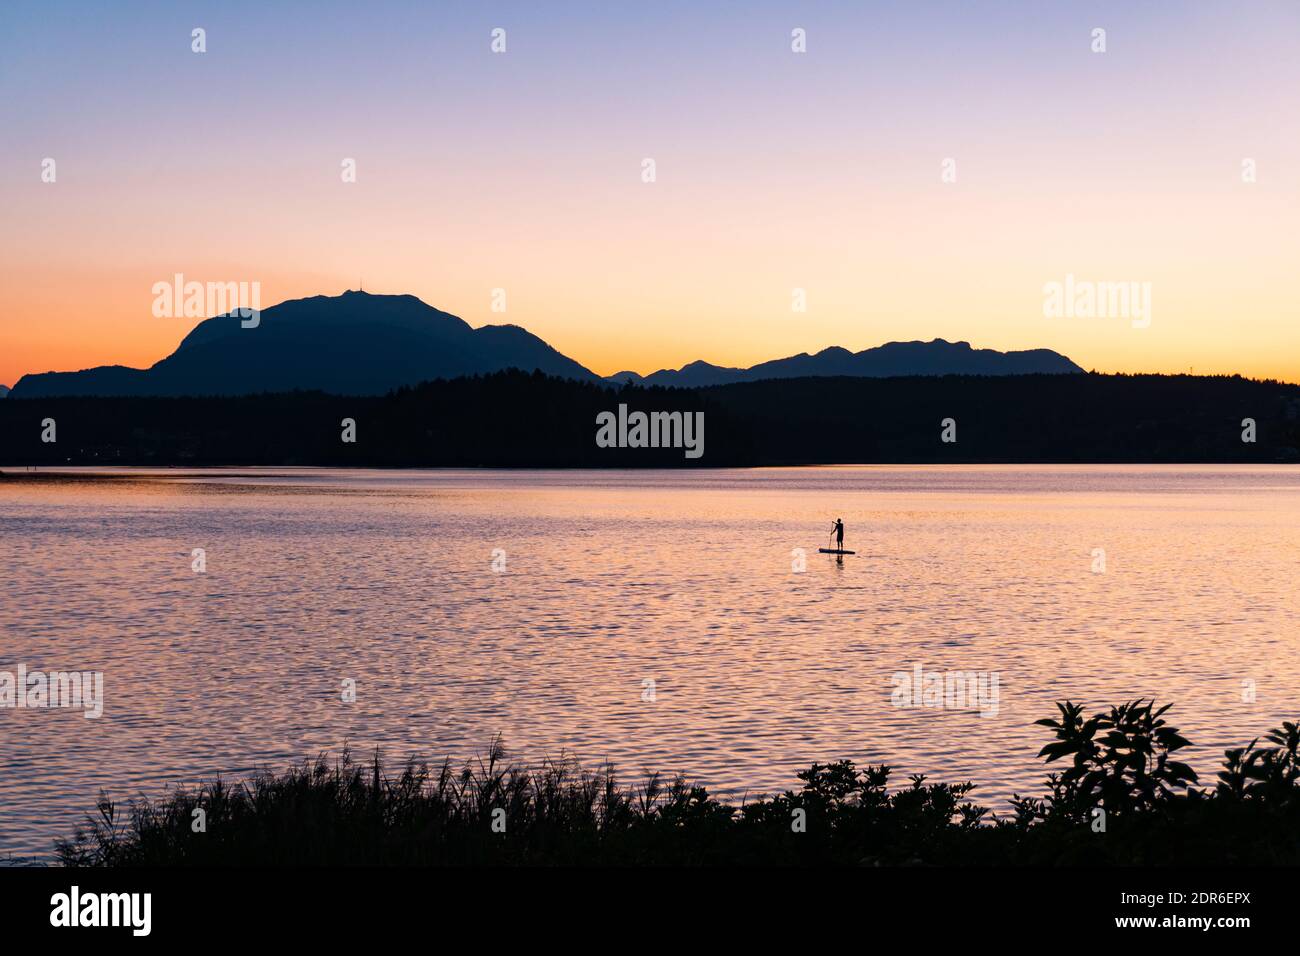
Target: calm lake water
[{"x": 616, "y": 579}]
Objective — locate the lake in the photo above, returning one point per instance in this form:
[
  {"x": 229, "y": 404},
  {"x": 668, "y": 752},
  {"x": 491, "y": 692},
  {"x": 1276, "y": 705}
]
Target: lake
[{"x": 658, "y": 620}]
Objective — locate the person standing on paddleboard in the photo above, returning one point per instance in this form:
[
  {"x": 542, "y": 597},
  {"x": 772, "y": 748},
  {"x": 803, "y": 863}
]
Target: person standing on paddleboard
[{"x": 839, "y": 534}]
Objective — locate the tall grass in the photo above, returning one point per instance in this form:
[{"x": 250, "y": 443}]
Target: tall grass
[{"x": 491, "y": 811}]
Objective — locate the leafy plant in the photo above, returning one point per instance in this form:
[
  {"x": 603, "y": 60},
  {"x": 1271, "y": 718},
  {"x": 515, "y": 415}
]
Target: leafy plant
[{"x": 1120, "y": 760}]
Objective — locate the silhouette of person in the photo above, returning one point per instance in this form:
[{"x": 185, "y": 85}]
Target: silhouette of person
[{"x": 839, "y": 534}]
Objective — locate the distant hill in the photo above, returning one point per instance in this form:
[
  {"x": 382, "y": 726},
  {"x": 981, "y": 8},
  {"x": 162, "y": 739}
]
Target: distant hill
[
  {"x": 622, "y": 378},
  {"x": 363, "y": 344},
  {"x": 936, "y": 357},
  {"x": 4, "y": 390},
  {"x": 351, "y": 344}
]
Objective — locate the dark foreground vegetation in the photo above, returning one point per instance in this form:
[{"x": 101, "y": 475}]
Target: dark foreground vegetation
[
  {"x": 513, "y": 419},
  {"x": 1119, "y": 761}
]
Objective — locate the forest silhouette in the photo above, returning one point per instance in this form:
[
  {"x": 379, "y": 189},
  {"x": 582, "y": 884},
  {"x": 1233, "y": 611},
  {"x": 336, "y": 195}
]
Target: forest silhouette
[{"x": 517, "y": 419}]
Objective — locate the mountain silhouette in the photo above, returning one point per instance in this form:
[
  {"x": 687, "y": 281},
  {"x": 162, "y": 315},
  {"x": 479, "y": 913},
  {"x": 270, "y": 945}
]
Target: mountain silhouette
[
  {"x": 359, "y": 343},
  {"x": 623, "y": 378},
  {"x": 937, "y": 357},
  {"x": 4, "y": 390},
  {"x": 351, "y": 344}
]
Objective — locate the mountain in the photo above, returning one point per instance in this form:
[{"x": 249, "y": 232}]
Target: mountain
[
  {"x": 623, "y": 378},
  {"x": 358, "y": 343},
  {"x": 937, "y": 357},
  {"x": 4, "y": 390},
  {"x": 351, "y": 344}
]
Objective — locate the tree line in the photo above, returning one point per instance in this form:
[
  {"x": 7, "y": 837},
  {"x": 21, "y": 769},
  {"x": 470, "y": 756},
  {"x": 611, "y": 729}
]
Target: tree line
[{"x": 516, "y": 419}]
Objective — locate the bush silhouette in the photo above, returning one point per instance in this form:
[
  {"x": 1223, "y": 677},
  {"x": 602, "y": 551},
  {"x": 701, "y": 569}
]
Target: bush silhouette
[{"x": 492, "y": 811}]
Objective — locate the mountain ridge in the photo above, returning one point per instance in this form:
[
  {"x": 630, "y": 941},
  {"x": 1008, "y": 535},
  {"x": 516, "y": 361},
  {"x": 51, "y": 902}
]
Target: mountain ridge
[
  {"x": 361, "y": 343},
  {"x": 355, "y": 343},
  {"x": 892, "y": 359}
]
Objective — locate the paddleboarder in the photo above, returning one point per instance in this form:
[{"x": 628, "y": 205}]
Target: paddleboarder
[{"x": 839, "y": 534}]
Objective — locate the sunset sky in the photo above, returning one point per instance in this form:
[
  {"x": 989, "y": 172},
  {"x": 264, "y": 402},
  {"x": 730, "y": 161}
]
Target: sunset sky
[{"x": 775, "y": 171}]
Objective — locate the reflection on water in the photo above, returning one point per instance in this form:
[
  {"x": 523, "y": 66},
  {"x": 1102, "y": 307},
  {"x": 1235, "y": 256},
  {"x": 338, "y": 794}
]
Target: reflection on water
[{"x": 616, "y": 579}]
